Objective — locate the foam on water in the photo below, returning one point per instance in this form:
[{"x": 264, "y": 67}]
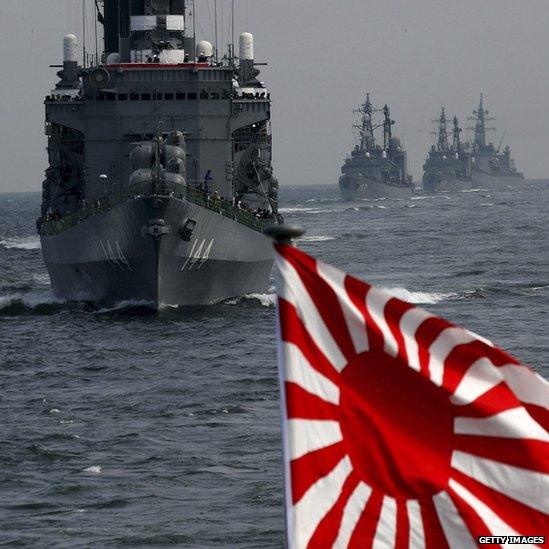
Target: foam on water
[
  {"x": 21, "y": 243},
  {"x": 29, "y": 302},
  {"x": 317, "y": 238},
  {"x": 94, "y": 470},
  {"x": 265, "y": 300},
  {"x": 419, "y": 298}
]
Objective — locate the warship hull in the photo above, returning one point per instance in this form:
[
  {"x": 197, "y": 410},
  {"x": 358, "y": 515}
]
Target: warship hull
[
  {"x": 363, "y": 188},
  {"x": 488, "y": 181},
  {"x": 441, "y": 183},
  {"x": 136, "y": 252}
]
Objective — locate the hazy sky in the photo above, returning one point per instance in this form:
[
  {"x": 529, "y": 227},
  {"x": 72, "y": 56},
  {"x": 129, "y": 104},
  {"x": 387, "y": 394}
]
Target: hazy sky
[{"x": 323, "y": 55}]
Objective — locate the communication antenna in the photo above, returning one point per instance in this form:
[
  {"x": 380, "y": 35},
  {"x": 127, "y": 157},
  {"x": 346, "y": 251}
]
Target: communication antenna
[
  {"x": 84, "y": 33},
  {"x": 233, "y": 15},
  {"x": 216, "y": 24}
]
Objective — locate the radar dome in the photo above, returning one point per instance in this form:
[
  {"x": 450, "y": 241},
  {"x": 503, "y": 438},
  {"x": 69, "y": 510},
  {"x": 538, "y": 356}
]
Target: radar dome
[
  {"x": 246, "y": 46},
  {"x": 113, "y": 59},
  {"x": 204, "y": 49},
  {"x": 70, "y": 48}
]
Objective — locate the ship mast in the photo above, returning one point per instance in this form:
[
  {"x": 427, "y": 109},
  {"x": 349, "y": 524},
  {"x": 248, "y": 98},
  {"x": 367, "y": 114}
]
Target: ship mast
[
  {"x": 366, "y": 126},
  {"x": 456, "y": 138},
  {"x": 442, "y": 134},
  {"x": 480, "y": 117},
  {"x": 387, "y": 128}
]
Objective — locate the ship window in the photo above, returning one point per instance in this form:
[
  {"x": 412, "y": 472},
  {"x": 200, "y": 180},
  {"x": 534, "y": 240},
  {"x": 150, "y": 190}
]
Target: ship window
[
  {"x": 100, "y": 97},
  {"x": 123, "y": 97},
  {"x": 180, "y": 96},
  {"x": 204, "y": 95},
  {"x": 145, "y": 97},
  {"x": 134, "y": 97},
  {"x": 111, "y": 96},
  {"x": 168, "y": 96},
  {"x": 215, "y": 96},
  {"x": 192, "y": 97},
  {"x": 157, "y": 96}
]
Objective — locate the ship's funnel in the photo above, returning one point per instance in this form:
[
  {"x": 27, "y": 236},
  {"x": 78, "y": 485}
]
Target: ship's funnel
[
  {"x": 247, "y": 46},
  {"x": 70, "y": 48}
]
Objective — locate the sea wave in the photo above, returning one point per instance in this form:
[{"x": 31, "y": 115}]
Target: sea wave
[
  {"x": 265, "y": 300},
  {"x": 32, "y": 302},
  {"x": 21, "y": 243},
  {"x": 419, "y": 298}
]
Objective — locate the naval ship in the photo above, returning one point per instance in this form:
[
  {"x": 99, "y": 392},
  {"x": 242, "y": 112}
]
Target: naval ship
[
  {"x": 374, "y": 171},
  {"x": 490, "y": 168},
  {"x": 448, "y": 167},
  {"x": 160, "y": 183}
]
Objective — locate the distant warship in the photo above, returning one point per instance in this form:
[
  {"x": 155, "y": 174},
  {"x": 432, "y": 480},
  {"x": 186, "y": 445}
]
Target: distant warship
[
  {"x": 490, "y": 168},
  {"x": 448, "y": 167},
  {"x": 375, "y": 171},
  {"x": 159, "y": 183}
]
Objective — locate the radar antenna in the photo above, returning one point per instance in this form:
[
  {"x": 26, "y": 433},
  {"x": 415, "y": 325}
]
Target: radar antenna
[
  {"x": 480, "y": 117},
  {"x": 442, "y": 133}
]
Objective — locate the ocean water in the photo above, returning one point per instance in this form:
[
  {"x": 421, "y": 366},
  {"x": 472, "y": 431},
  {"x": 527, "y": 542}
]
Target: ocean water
[{"x": 121, "y": 428}]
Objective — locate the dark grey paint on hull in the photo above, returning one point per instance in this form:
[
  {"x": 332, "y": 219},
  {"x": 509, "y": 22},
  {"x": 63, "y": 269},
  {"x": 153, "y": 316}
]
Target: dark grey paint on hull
[
  {"x": 113, "y": 256},
  {"x": 361, "y": 188},
  {"x": 434, "y": 183}
]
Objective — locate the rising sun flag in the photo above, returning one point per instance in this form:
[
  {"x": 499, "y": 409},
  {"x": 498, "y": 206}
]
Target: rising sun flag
[{"x": 401, "y": 429}]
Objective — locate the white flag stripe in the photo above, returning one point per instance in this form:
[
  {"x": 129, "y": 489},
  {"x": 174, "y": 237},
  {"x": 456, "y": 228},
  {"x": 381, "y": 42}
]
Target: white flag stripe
[
  {"x": 417, "y": 536},
  {"x": 298, "y": 370},
  {"x": 441, "y": 348},
  {"x": 409, "y": 323},
  {"x": 353, "y": 317},
  {"x": 528, "y": 386},
  {"x": 309, "y": 314},
  {"x": 497, "y": 526},
  {"x": 309, "y": 435},
  {"x": 514, "y": 423},
  {"x": 482, "y": 376},
  {"x": 385, "y": 535},
  {"x": 351, "y": 514},
  {"x": 528, "y": 487},
  {"x": 456, "y": 532},
  {"x": 376, "y": 300},
  {"x": 319, "y": 499}
]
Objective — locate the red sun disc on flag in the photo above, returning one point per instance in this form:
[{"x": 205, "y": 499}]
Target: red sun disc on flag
[{"x": 401, "y": 430}]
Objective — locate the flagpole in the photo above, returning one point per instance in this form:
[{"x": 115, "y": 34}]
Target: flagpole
[{"x": 284, "y": 234}]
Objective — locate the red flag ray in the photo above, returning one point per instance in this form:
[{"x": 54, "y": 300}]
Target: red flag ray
[
  {"x": 522, "y": 518},
  {"x": 365, "y": 529},
  {"x": 310, "y": 468},
  {"x": 325, "y": 300},
  {"x": 494, "y": 401},
  {"x": 433, "y": 532},
  {"x": 402, "y": 540},
  {"x": 519, "y": 452},
  {"x": 294, "y": 331},
  {"x": 328, "y": 529},
  {"x": 394, "y": 312},
  {"x": 426, "y": 334},
  {"x": 303, "y": 405},
  {"x": 462, "y": 357}
]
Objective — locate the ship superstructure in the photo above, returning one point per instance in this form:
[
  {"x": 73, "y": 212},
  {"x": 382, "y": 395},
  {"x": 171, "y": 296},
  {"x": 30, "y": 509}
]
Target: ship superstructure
[
  {"x": 490, "y": 167},
  {"x": 160, "y": 180},
  {"x": 448, "y": 166},
  {"x": 375, "y": 170}
]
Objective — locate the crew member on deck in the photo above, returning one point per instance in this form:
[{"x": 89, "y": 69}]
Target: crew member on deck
[{"x": 208, "y": 178}]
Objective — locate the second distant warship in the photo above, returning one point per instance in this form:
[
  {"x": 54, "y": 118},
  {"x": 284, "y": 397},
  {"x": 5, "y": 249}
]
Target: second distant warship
[
  {"x": 373, "y": 171},
  {"x": 490, "y": 168},
  {"x": 448, "y": 167}
]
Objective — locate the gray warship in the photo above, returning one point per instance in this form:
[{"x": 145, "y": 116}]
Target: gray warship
[
  {"x": 373, "y": 171},
  {"x": 490, "y": 167},
  {"x": 160, "y": 183},
  {"x": 448, "y": 167}
]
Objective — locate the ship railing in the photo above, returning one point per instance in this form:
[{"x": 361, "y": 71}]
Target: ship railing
[{"x": 54, "y": 224}]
